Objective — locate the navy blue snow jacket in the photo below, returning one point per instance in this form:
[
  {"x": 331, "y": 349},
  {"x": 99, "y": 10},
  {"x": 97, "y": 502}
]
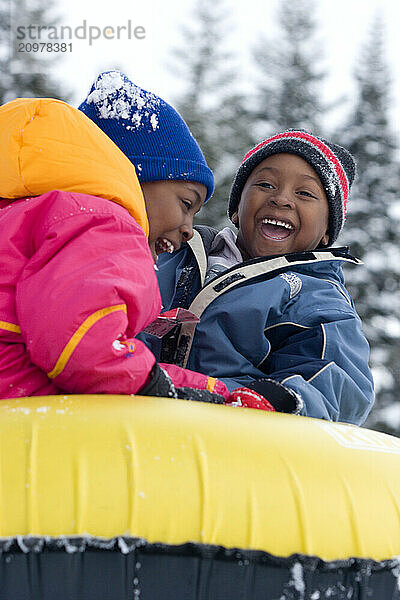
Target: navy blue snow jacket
[{"x": 289, "y": 318}]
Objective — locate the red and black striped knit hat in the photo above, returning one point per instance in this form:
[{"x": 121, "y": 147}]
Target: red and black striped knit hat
[{"x": 334, "y": 165}]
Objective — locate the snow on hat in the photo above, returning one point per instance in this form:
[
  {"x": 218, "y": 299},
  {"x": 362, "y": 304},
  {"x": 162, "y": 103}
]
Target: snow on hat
[
  {"x": 148, "y": 130},
  {"x": 334, "y": 165}
]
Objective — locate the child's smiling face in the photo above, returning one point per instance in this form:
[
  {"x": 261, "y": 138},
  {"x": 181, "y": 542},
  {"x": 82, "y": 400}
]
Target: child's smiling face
[
  {"x": 170, "y": 207},
  {"x": 283, "y": 208}
]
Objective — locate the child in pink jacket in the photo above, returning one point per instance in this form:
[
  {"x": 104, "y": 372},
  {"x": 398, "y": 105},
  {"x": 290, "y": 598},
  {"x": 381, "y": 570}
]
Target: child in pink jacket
[{"x": 79, "y": 240}]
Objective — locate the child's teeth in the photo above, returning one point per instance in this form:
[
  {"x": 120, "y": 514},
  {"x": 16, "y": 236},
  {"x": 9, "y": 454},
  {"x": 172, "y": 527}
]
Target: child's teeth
[
  {"x": 280, "y": 223},
  {"x": 167, "y": 246}
]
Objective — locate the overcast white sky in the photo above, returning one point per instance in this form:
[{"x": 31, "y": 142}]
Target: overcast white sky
[{"x": 344, "y": 25}]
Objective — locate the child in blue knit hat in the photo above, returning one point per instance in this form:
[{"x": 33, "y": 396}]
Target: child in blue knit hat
[
  {"x": 175, "y": 181},
  {"x": 169, "y": 163},
  {"x": 275, "y": 316}
]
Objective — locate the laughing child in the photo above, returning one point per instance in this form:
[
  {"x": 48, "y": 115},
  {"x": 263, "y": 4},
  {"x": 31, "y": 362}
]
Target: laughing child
[
  {"x": 276, "y": 317},
  {"x": 79, "y": 239}
]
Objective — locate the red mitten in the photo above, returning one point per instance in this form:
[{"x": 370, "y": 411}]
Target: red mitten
[{"x": 249, "y": 398}]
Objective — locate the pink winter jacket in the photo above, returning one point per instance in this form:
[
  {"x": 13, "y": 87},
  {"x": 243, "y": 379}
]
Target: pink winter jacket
[{"x": 76, "y": 273}]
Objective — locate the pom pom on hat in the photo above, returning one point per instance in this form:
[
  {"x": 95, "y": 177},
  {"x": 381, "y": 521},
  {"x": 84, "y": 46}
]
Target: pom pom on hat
[
  {"x": 148, "y": 130},
  {"x": 334, "y": 165}
]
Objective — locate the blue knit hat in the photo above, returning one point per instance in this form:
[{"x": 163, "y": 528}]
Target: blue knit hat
[{"x": 148, "y": 130}]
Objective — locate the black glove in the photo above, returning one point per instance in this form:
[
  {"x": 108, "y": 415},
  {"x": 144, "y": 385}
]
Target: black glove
[
  {"x": 283, "y": 399},
  {"x": 188, "y": 393},
  {"x": 159, "y": 385}
]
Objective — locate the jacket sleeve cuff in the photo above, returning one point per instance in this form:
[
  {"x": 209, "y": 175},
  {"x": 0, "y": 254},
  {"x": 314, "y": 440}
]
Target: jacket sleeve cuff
[
  {"x": 282, "y": 398},
  {"x": 160, "y": 384}
]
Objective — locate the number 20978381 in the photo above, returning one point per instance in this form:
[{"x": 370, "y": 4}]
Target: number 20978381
[{"x": 44, "y": 47}]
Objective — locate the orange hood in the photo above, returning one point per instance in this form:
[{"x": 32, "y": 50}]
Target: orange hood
[{"x": 46, "y": 145}]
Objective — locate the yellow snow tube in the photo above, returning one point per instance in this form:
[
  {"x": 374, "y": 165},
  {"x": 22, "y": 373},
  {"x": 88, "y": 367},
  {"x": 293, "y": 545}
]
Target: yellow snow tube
[{"x": 173, "y": 471}]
